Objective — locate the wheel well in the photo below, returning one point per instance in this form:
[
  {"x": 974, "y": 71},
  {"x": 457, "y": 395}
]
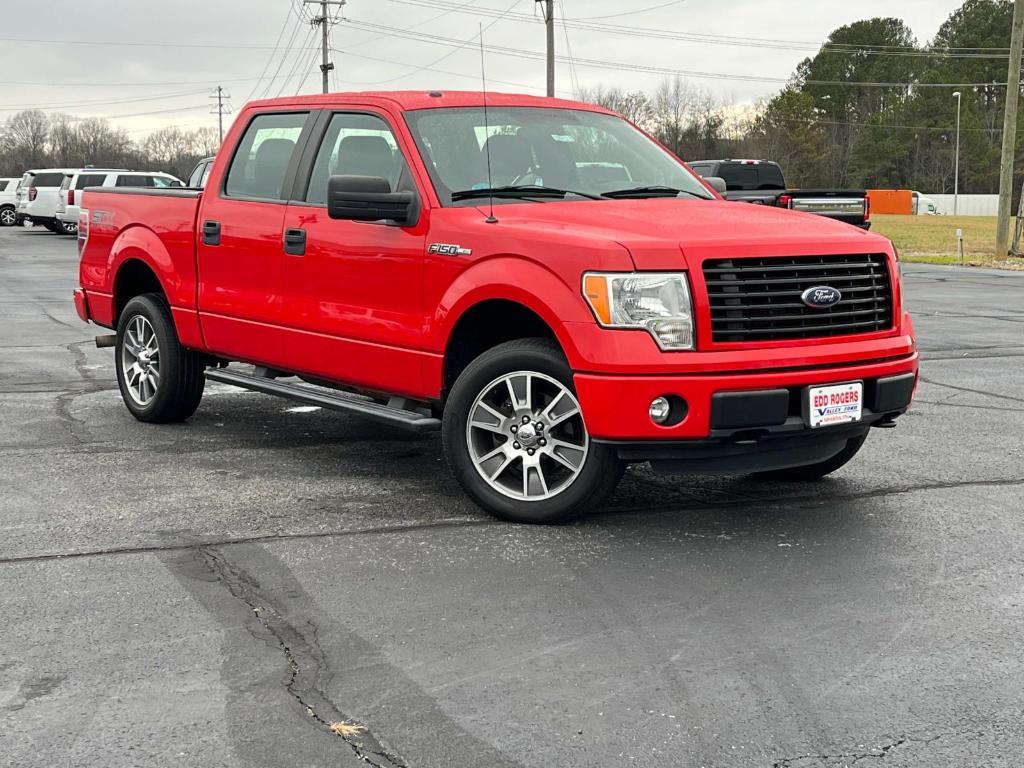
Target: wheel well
[
  {"x": 487, "y": 325},
  {"x": 134, "y": 278}
]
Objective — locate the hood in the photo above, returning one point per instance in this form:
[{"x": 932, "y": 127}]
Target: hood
[{"x": 657, "y": 231}]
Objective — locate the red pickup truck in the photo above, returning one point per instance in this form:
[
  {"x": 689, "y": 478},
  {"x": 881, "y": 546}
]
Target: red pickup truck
[{"x": 537, "y": 279}]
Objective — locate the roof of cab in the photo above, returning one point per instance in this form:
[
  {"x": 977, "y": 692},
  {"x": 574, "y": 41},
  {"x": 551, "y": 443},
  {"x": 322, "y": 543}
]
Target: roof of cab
[{"x": 410, "y": 100}]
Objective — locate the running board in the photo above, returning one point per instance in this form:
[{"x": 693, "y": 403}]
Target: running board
[{"x": 339, "y": 401}]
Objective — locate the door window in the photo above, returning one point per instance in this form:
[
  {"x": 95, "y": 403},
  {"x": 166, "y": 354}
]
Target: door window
[
  {"x": 356, "y": 145},
  {"x": 261, "y": 161},
  {"x": 90, "y": 180},
  {"x": 133, "y": 180}
]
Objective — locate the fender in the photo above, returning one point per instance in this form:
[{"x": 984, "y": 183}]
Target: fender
[
  {"x": 490, "y": 279},
  {"x": 139, "y": 243}
]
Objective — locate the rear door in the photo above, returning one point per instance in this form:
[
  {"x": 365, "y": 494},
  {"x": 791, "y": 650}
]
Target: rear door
[
  {"x": 238, "y": 239},
  {"x": 353, "y": 293}
]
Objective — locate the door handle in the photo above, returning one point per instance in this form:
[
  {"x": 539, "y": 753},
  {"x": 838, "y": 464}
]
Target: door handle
[
  {"x": 295, "y": 242},
  {"x": 211, "y": 232}
]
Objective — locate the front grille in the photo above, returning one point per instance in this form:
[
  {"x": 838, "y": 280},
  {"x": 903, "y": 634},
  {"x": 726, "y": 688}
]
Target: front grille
[{"x": 759, "y": 299}]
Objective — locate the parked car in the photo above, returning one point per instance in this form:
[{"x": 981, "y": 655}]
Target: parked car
[
  {"x": 71, "y": 189},
  {"x": 8, "y": 210},
  {"x": 431, "y": 265},
  {"x": 37, "y": 196},
  {"x": 197, "y": 179},
  {"x": 761, "y": 182}
]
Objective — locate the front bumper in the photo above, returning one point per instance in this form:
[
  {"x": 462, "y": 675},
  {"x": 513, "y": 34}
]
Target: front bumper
[{"x": 615, "y": 408}]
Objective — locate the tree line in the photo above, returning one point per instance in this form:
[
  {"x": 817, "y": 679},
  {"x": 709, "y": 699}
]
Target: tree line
[
  {"x": 34, "y": 139},
  {"x": 849, "y": 135}
]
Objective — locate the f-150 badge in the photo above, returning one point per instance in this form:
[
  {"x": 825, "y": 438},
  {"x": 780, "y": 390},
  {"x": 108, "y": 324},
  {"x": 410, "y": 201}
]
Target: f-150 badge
[{"x": 446, "y": 249}]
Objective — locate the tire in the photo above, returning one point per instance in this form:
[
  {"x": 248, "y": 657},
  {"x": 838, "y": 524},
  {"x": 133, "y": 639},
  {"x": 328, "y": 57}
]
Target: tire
[
  {"x": 546, "y": 475},
  {"x": 8, "y": 216},
  {"x": 174, "y": 392},
  {"x": 812, "y": 472},
  {"x": 66, "y": 228}
]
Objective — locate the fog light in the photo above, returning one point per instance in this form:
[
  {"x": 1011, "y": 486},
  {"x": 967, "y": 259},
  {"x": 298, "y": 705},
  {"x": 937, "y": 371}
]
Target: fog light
[{"x": 659, "y": 410}]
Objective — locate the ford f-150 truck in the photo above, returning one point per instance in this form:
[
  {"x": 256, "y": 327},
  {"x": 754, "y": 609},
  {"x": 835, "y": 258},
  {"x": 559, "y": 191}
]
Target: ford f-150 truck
[
  {"x": 421, "y": 260},
  {"x": 761, "y": 182}
]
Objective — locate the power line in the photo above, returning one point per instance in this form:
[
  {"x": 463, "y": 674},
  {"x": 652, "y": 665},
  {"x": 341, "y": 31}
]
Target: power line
[
  {"x": 459, "y": 45},
  {"x": 270, "y": 58},
  {"x": 297, "y": 25},
  {"x": 730, "y": 40},
  {"x": 66, "y": 105},
  {"x": 628, "y": 67},
  {"x": 634, "y": 12}
]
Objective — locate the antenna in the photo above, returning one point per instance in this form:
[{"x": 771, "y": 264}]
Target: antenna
[{"x": 487, "y": 130}]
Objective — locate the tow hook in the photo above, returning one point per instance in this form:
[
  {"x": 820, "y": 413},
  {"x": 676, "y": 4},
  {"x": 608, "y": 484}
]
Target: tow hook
[
  {"x": 887, "y": 423},
  {"x": 106, "y": 340}
]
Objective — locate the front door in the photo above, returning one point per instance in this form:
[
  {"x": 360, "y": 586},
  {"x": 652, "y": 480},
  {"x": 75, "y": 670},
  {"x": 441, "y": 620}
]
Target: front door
[
  {"x": 353, "y": 290},
  {"x": 238, "y": 238}
]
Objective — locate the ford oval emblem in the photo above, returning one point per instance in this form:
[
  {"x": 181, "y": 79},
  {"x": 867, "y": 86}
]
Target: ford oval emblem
[{"x": 821, "y": 297}]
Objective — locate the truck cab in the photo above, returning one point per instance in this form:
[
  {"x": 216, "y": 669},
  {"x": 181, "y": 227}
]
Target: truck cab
[{"x": 538, "y": 280}]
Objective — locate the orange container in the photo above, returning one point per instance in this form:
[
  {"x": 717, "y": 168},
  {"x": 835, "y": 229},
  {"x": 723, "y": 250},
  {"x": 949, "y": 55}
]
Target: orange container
[{"x": 897, "y": 201}]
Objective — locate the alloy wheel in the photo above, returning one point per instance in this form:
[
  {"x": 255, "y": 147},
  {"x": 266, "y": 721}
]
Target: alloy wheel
[
  {"x": 140, "y": 360},
  {"x": 526, "y": 436},
  {"x": 8, "y": 217}
]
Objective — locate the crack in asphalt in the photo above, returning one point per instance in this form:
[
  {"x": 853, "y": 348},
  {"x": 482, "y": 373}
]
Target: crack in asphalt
[
  {"x": 876, "y": 753},
  {"x": 984, "y": 392},
  {"x": 63, "y": 401},
  {"x": 306, "y": 660},
  {"x": 486, "y": 522}
]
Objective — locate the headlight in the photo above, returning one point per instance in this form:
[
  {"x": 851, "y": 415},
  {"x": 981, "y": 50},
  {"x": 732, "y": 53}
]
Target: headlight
[{"x": 656, "y": 301}]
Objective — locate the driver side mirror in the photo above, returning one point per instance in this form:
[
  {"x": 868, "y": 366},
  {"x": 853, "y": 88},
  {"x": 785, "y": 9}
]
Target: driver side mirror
[
  {"x": 717, "y": 183},
  {"x": 369, "y": 198}
]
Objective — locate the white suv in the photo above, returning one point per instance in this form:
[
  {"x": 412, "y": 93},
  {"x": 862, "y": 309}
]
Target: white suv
[
  {"x": 37, "y": 197},
  {"x": 8, "y": 213},
  {"x": 71, "y": 190}
]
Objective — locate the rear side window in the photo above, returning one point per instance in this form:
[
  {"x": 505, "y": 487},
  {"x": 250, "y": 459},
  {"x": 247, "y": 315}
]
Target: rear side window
[
  {"x": 48, "y": 179},
  {"x": 355, "y": 145},
  {"x": 770, "y": 177},
  {"x": 738, "y": 177},
  {"x": 261, "y": 161},
  {"x": 133, "y": 180},
  {"x": 90, "y": 180},
  {"x": 703, "y": 169}
]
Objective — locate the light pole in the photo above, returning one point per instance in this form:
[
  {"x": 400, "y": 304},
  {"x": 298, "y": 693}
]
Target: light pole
[{"x": 956, "y": 161}]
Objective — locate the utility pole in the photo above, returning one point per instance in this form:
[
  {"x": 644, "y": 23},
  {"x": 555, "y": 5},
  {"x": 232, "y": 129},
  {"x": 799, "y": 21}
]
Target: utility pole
[
  {"x": 1009, "y": 131},
  {"x": 548, "y": 9},
  {"x": 219, "y": 95},
  {"x": 323, "y": 20},
  {"x": 956, "y": 157}
]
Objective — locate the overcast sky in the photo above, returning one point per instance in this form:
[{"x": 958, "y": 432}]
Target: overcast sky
[{"x": 233, "y": 41}]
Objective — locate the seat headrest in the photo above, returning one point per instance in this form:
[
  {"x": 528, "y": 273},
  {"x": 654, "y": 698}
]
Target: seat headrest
[
  {"x": 509, "y": 155},
  {"x": 364, "y": 156},
  {"x": 270, "y": 166}
]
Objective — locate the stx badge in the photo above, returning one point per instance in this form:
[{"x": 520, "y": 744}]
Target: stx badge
[{"x": 446, "y": 249}]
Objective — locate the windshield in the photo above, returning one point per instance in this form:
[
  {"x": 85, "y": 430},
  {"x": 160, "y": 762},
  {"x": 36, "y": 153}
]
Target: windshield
[{"x": 583, "y": 153}]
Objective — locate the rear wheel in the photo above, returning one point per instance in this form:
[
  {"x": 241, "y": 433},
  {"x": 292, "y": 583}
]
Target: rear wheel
[
  {"x": 8, "y": 216},
  {"x": 67, "y": 228},
  {"x": 811, "y": 472},
  {"x": 516, "y": 441},
  {"x": 160, "y": 380}
]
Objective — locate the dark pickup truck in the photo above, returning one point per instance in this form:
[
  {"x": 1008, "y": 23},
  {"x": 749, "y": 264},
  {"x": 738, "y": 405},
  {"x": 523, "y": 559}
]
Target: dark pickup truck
[{"x": 761, "y": 182}]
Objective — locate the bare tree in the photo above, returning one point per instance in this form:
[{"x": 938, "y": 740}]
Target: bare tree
[{"x": 24, "y": 138}]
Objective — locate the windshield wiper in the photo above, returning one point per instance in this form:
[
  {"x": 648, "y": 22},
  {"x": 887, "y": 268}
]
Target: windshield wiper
[
  {"x": 652, "y": 191},
  {"x": 520, "y": 191}
]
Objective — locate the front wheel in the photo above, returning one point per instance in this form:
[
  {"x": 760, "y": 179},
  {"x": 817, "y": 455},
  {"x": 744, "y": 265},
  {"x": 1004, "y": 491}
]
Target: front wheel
[
  {"x": 811, "y": 472},
  {"x": 67, "y": 228},
  {"x": 515, "y": 438},
  {"x": 160, "y": 380}
]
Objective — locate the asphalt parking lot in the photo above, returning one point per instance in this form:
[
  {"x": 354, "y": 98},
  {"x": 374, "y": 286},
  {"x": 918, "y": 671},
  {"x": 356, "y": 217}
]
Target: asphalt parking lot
[{"x": 219, "y": 593}]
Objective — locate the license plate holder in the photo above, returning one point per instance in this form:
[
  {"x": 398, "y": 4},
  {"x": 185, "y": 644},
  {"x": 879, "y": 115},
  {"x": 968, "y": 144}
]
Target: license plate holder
[{"x": 831, "y": 405}]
